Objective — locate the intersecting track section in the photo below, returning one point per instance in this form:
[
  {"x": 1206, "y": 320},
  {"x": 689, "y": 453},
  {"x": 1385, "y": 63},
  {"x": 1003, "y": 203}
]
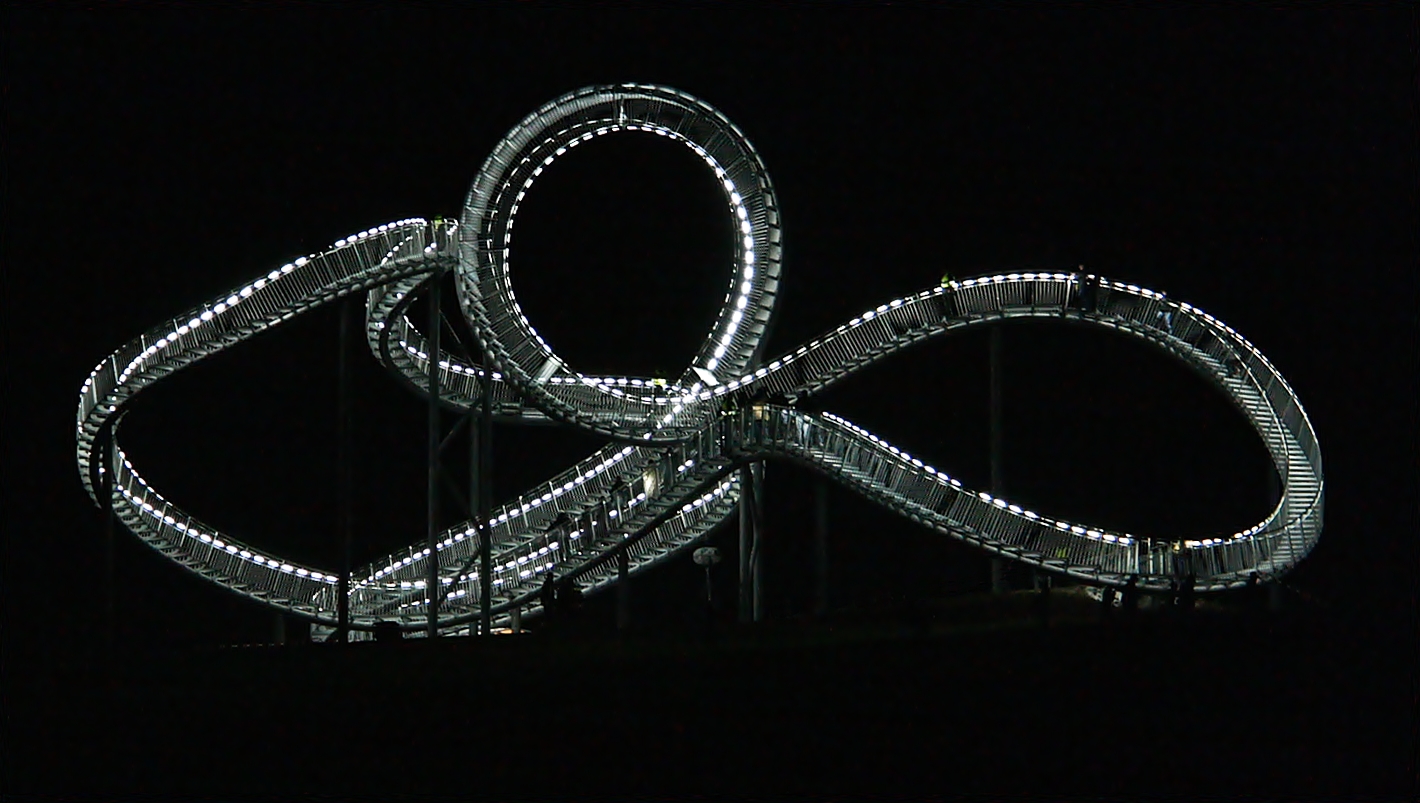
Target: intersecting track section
[{"x": 668, "y": 476}]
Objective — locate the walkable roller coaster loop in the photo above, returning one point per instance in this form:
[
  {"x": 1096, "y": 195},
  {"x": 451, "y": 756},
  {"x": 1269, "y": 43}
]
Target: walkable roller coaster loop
[{"x": 669, "y": 472}]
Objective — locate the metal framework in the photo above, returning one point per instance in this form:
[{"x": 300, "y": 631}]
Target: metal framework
[{"x": 669, "y": 473}]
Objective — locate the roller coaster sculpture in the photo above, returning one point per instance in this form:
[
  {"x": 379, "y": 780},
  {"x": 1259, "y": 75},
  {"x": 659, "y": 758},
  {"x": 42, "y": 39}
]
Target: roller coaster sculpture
[{"x": 669, "y": 473}]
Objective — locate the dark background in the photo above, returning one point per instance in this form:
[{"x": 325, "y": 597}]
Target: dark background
[{"x": 1260, "y": 165}]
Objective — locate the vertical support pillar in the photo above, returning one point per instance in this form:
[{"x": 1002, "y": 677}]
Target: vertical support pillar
[
  {"x": 820, "y": 547},
  {"x": 623, "y": 591},
  {"x": 431, "y": 577},
  {"x": 998, "y": 566},
  {"x": 757, "y": 531},
  {"x": 746, "y": 609},
  {"x": 474, "y": 494},
  {"x": 110, "y": 547},
  {"x": 343, "y": 493},
  {"x": 484, "y": 481},
  {"x": 1275, "y": 597}
]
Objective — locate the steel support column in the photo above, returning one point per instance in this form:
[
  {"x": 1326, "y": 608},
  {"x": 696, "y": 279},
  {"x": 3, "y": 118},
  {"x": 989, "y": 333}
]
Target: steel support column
[
  {"x": 623, "y": 591},
  {"x": 1276, "y": 600},
  {"x": 343, "y": 492},
  {"x": 746, "y": 606},
  {"x": 484, "y": 481},
  {"x": 756, "y": 505},
  {"x": 431, "y": 578},
  {"x": 110, "y": 552},
  {"x": 998, "y": 566},
  {"x": 474, "y": 489},
  {"x": 820, "y": 546}
]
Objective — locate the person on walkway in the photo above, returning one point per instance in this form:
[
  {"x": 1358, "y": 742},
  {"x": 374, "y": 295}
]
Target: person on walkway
[
  {"x": 759, "y": 411},
  {"x": 548, "y": 597},
  {"x": 1107, "y": 602},
  {"x": 729, "y": 421},
  {"x": 1252, "y": 594},
  {"x": 1187, "y": 595},
  {"x": 1129, "y": 597},
  {"x": 1042, "y": 603},
  {"x": 1166, "y": 315},
  {"x": 1089, "y": 292}
]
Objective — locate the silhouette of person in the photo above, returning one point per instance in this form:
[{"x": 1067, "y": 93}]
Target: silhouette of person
[
  {"x": 548, "y": 596},
  {"x": 1042, "y": 603},
  {"x": 1107, "y": 601},
  {"x": 1089, "y": 290},
  {"x": 1167, "y": 316},
  {"x": 1129, "y": 597},
  {"x": 1187, "y": 594},
  {"x": 1254, "y": 598}
]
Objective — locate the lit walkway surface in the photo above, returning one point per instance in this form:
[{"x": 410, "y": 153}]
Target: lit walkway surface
[{"x": 669, "y": 473}]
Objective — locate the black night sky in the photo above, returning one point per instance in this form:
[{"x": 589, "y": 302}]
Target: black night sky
[{"x": 1261, "y": 166}]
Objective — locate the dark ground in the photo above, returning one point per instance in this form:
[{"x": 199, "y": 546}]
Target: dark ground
[{"x": 1301, "y": 704}]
